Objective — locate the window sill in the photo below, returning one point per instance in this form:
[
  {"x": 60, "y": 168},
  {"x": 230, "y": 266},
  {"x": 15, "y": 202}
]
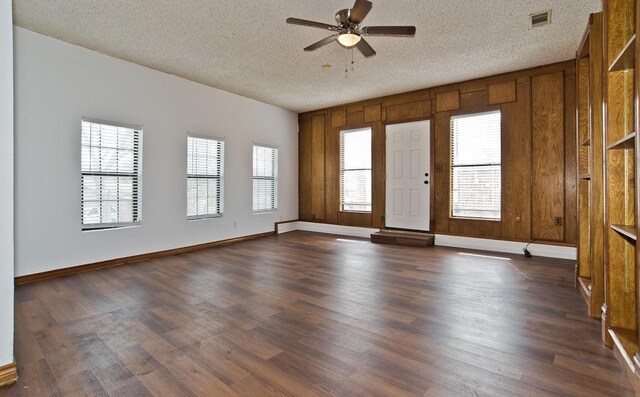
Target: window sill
[
  {"x": 463, "y": 218},
  {"x": 273, "y": 211},
  {"x": 203, "y": 217},
  {"x": 355, "y": 212},
  {"x": 107, "y": 228}
]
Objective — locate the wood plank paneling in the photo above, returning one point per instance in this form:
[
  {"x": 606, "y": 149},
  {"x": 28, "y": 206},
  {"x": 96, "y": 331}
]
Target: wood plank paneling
[
  {"x": 596, "y": 159},
  {"x": 448, "y": 101},
  {"x": 378, "y": 162},
  {"x": 474, "y": 227},
  {"x": 462, "y": 98},
  {"x": 317, "y": 168},
  {"x": 372, "y": 113},
  {"x": 362, "y": 219},
  {"x": 332, "y": 174},
  {"x": 442, "y": 171},
  {"x": 304, "y": 169},
  {"x": 547, "y": 94},
  {"x": 583, "y": 99},
  {"x": 570, "y": 162},
  {"x": 499, "y": 93},
  {"x": 474, "y": 102},
  {"x": 408, "y": 111},
  {"x": 355, "y": 118},
  {"x": 339, "y": 118},
  {"x": 516, "y": 170}
]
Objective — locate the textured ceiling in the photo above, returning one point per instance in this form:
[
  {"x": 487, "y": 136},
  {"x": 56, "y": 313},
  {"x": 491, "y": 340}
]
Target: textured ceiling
[{"x": 245, "y": 47}]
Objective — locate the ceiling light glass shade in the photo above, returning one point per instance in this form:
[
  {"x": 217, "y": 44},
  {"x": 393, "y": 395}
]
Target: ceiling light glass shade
[{"x": 349, "y": 39}]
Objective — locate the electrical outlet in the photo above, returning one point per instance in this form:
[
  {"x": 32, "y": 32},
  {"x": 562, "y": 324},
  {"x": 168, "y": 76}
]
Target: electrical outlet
[
  {"x": 557, "y": 220},
  {"x": 235, "y": 225}
]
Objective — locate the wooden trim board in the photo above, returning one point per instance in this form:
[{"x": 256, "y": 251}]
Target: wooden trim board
[
  {"x": 30, "y": 278},
  {"x": 8, "y": 374}
]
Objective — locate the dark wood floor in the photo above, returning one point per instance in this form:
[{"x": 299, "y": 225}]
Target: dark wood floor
[{"x": 306, "y": 314}]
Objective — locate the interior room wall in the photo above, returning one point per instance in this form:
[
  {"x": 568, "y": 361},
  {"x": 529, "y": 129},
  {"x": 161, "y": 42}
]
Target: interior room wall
[
  {"x": 538, "y": 154},
  {"x": 6, "y": 184},
  {"x": 57, "y": 83}
]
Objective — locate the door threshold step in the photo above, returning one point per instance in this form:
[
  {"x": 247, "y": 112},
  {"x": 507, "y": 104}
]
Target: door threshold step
[{"x": 400, "y": 237}]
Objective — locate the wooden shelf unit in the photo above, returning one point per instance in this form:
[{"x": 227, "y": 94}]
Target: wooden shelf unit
[
  {"x": 589, "y": 121},
  {"x": 619, "y": 312},
  {"x": 627, "y": 57},
  {"x": 626, "y": 142},
  {"x": 626, "y": 231}
]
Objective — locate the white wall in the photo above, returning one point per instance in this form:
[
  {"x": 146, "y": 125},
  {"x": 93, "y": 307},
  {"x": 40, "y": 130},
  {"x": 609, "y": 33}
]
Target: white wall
[
  {"x": 6, "y": 183},
  {"x": 56, "y": 84}
]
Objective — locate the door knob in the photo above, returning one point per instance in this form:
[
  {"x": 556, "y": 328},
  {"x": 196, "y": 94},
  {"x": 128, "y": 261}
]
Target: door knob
[
  {"x": 426, "y": 174},
  {"x": 426, "y": 182}
]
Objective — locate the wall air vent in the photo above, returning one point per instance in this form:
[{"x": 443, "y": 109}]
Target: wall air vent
[{"x": 540, "y": 18}]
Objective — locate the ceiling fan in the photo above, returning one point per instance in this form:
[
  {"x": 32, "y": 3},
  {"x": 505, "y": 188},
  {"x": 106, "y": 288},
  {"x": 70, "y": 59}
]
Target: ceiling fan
[{"x": 348, "y": 32}]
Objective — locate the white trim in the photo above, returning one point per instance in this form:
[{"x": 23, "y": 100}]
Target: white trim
[
  {"x": 287, "y": 227},
  {"x": 443, "y": 240},
  {"x": 341, "y": 230},
  {"x": 116, "y": 124},
  {"x": 510, "y": 247}
]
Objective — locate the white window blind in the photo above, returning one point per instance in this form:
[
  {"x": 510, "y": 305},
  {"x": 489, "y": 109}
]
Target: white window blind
[
  {"x": 476, "y": 165},
  {"x": 205, "y": 172},
  {"x": 111, "y": 169},
  {"x": 265, "y": 178},
  {"x": 355, "y": 167}
]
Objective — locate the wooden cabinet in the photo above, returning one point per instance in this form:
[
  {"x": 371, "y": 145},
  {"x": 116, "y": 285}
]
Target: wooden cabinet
[
  {"x": 619, "y": 312},
  {"x": 590, "y": 170}
]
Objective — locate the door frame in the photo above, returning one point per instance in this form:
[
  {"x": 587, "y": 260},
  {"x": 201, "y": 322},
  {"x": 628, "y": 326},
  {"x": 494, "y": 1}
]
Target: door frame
[{"x": 432, "y": 165}]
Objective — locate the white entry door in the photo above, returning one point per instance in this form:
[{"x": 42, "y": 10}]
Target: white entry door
[{"x": 408, "y": 176}]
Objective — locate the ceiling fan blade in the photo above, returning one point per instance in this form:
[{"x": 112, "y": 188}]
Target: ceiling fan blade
[
  {"x": 406, "y": 31},
  {"x": 311, "y": 24},
  {"x": 365, "y": 48},
  {"x": 359, "y": 11},
  {"x": 321, "y": 43}
]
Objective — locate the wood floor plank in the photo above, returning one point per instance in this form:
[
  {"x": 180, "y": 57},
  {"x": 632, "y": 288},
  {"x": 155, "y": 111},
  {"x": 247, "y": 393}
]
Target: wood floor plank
[{"x": 306, "y": 314}]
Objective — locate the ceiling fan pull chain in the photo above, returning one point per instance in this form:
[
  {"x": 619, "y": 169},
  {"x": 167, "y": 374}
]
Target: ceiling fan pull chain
[
  {"x": 346, "y": 68},
  {"x": 352, "y": 63}
]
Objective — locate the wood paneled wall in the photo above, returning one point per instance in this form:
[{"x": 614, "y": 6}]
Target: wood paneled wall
[{"x": 538, "y": 153}]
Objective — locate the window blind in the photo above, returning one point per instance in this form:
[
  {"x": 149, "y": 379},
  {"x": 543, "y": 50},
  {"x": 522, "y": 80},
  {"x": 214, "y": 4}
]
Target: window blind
[
  {"x": 265, "y": 178},
  {"x": 111, "y": 169},
  {"x": 205, "y": 166},
  {"x": 355, "y": 170},
  {"x": 476, "y": 165}
]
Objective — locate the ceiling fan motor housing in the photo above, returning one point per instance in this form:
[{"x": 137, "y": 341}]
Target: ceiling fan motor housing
[{"x": 342, "y": 16}]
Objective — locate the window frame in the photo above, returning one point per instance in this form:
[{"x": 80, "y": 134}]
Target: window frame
[
  {"x": 342, "y": 169},
  {"x": 497, "y": 110},
  {"x": 273, "y": 178},
  {"x": 136, "y": 175},
  {"x": 219, "y": 177}
]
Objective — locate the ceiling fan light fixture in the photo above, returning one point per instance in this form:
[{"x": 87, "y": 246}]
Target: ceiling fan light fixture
[{"x": 349, "y": 39}]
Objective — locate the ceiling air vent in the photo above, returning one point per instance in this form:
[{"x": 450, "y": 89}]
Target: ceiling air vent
[{"x": 540, "y": 18}]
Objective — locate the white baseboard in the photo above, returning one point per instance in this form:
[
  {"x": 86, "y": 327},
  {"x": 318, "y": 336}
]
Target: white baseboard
[
  {"x": 341, "y": 230},
  {"x": 482, "y": 244},
  {"x": 509, "y": 247},
  {"x": 287, "y": 227}
]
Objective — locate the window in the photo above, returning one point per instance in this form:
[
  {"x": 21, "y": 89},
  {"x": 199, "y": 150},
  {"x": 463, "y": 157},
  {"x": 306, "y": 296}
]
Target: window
[
  {"x": 355, "y": 170},
  {"x": 265, "y": 178},
  {"x": 205, "y": 159},
  {"x": 111, "y": 174},
  {"x": 476, "y": 166}
]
